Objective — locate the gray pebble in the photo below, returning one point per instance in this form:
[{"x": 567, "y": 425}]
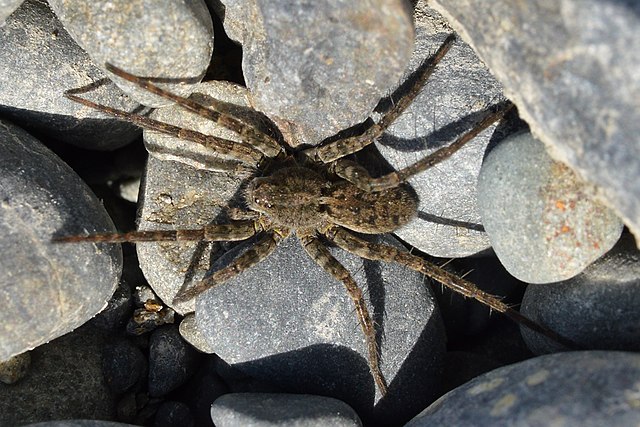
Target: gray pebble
[
  {"x": 317, "y": 68},
  {"x": 542, "y": 220},
  {"x": 50, "y": 289},
  {"x": 285, "y": 410},
  {"x": 7, "y": 7},
  {"x": 160, "y": 38},
  {"x": 455, "y": 98},
  {"x": 15, "y": 368},
  {"x": 570, "y": 66},
  {"x": 39, "y": 62},
  {"x": 594, "y": 388},
  {"x": 287, "y": 322},
  {"x": 123, "y": 365},
  {"x": 597, "y": 309},
  {"x": 171, "y": 361},
  {"x": 190, "y": 332}
]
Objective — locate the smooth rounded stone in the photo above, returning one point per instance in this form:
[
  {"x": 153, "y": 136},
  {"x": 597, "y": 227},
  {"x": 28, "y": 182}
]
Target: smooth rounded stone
[
  {"x": 163, "y": 39},
  {"x": 265, "y": 409},
  {"x": 316, "y": 68},
  {"x": 15, "y": 368},
  {"x": 287, "y": 322},
  {"x": 80, "y": 423},
  {"x": 189, "y": 331},
  {"x": 456, "y": 96},
  {"x": 7, "y": 7},
  {"x": 573, "y": 79},
  {"x": 542, "y": 220},
  {"x": 598, "y": 309},
  {"x": 64, "y": 382},
  {"x": 178, "y": 192},
  {"x": 51, "y": 288},
  {"x": 39, "y": 62},
  {"x": 590, "y": 388},
  {"x": 171, "y": 361},
  {"x": 173, "y": 414},
  {"x": 123, "y": 365}
]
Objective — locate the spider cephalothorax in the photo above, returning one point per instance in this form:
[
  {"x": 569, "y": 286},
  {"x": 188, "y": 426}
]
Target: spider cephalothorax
[{"x": 320, "y": 196}]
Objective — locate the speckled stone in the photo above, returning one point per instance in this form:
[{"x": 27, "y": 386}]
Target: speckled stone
[
  {"x": 49, "y": 289},
  {"x": 591, "y": 389},
  {"x": 598, "y": 309},
  {"x": 7, "y": 7},
  {"x": 153, "y": 38},
  {"x": 15, "y": 368},
  {"x": 542, "y": 220},
  {"x": 316, "y": 68},
  {"x": 39, "y": 62},
  {"x": 171, "y": 361},
  {"x": 294, "y": 410},
  {"x": 570, "y": 66}
]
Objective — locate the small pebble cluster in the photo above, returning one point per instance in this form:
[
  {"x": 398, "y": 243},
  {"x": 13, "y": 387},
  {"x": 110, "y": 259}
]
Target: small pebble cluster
[{"x": 280, "y": 344}]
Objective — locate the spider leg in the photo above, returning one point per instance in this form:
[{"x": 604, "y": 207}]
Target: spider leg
[
  {"x": 321, "y": 255},
  {"x": 256, "y": 253},
  {"x": 234, "y": 231},
  {"x": 238, "y": 150},
  {"x": 342, "y": 147},
  {"x": 380, "y": 252},
  {"x": 262, "y": 141}
]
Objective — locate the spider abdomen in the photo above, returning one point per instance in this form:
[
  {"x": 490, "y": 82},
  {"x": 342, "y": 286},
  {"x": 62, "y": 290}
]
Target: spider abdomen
[{"x": 371, "y": 213}]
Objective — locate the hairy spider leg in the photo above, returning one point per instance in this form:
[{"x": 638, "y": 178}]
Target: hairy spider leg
[
  {"x": 262, "y": 141},
  {"x": 381, "y": 252}
]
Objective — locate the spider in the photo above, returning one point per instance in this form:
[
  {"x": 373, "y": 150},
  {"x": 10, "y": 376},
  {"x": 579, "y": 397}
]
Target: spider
[{"x": 316, "y": 194}]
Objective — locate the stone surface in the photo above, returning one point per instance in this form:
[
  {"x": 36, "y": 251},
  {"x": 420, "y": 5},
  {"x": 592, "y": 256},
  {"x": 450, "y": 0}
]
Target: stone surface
[
  {"x": 541, "y": 218},
  {"x": 455, "y": 97},
  {"x": 39, "y": 62},
  {"x": 123, "y": 365},
  {"x": 295, "y": 410},
  {"x": 64, "y": 382},
  {"x": 315, "y": 68},
  {"x": 49, "y": 289},
  {"x": 7, "y": 7},
  {"x": 287, "y": 322},
  {"x": 173, "y": 414},
  {"x": 15, "y": 368},
  {"x": 564, "y": 389},
  {"x": 171, "y": 361},
  {"x": 598, "y": 309},
  {"x": 155, "y": 38},
  {"x": 190, "y": 332},
  {"x": 570, "y": 67}
]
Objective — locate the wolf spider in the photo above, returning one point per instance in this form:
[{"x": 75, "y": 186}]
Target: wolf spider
[{"x": 316, "y": 194}]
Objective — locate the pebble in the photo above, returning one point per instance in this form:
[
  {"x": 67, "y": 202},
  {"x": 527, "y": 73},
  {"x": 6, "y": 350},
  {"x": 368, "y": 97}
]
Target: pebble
[
  {"x": 570, "y": 67},
  {"x": 176, "y": 39},
  {"x": 51, "y": 288},
  {"x": 294, "y": 410},
  {"x": 287, "y": 322},
  {"x": 15, "y": 368},
  {"x": 6, "y": 8},
  {"x": 320, "y": 67},
  {"x": 123, "y": 365},
  {"x": 39, "y": 62},
  {"x": 591, "y": 388},
  {"x": 598, "y": 309},
  {"x": 460, "y": 90},
  {"x": 542, "y": 220},
  {"x": 171, "y": 361}
]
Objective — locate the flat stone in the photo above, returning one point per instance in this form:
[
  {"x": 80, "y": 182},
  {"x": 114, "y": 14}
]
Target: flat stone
[
  {"x": 570, "y": 67},
  {"x": 542, "y": 220},
  {"x": 309, "y": 65},
  {"x": 51, "y": 289},
  {"x": 546, "y": 390},
  {"x": 295, "y": 410},
  {"x": 39, "y": 62},
  {"x": 597, "y": 309},
  {"x": 161, "y": 38},
  {"x": 287, "y": 322}
]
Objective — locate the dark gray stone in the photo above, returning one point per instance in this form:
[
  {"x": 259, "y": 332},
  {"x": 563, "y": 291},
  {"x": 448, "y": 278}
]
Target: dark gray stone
[
  {"x": 294, "y": 410},
  {"x": 40, "y": 61},
  {"x": 570, "y": 66},
  {"x": 15, "y": 368},
  {"x": 123, "y": 365},
  {"x": 171, "y": 361},
  {"x": 316, "y": 68},
  {"x": 50, "y": 289},
  {"x": 173, "y": 414},
  {"x": 590, "y": 389},
  {"x": 598, "y": 309},
  {"x": 64, "y": 382},
  {"x": 163, "y": 38},
  {"x": 287, "y": 322},
  {"x": 542, "y": 220},
  {"x": 456, "y": 96}
]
